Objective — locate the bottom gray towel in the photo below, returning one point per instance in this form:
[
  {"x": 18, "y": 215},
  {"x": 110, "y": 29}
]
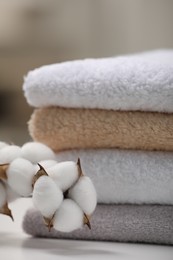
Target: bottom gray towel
[{"x": 124, "y": 223}]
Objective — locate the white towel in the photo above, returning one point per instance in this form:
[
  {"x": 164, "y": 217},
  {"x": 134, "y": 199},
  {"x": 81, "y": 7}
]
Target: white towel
[
  {"x": 123, "y": 176},
  {"x": 133, "y": 82}
]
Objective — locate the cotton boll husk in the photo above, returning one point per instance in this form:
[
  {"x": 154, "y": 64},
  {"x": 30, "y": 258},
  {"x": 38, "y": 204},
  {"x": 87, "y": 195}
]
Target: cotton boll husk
[
  {"x": 3, "y": 195},
  {"x": 35, "y": 152},
  {"x": 19, "y": 176},
  {"x": 3, "y": 144},
  {"x": 84, "y": 194},
  {"x": 45, "y": 164},
  {"x": 65, "y": 174},
  {"x": 9, "y": 153},
  {"x": 47, "y": 197},
  {"x": 68, "y": 217}
]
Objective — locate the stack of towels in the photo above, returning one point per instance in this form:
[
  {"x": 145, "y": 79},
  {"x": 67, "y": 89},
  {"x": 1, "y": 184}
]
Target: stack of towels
[{"x": 116, "y": 114}]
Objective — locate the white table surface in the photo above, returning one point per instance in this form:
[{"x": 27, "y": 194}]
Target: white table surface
[{"x": 15, "y": 244}]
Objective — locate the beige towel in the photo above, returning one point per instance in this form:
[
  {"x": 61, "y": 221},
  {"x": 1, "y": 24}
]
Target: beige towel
[{"x": 62, "y": 129}]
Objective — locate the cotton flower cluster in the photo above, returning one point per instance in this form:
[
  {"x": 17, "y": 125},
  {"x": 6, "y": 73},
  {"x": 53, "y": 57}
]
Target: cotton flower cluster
[{"x": 65, "y": 196}]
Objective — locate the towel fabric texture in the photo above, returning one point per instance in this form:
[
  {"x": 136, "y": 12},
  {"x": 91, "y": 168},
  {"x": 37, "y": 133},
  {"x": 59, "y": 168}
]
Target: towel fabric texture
[
  {"x": 133, "y": 82},
  {"x": 123, "y": 176},
  {"x": 124, "y": 223},
  {"x": 64, "y": 129},
  {"x": 116, "y": 115}
]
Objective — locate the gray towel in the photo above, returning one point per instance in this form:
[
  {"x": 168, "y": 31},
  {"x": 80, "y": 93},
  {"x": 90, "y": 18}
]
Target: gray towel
[{"x": 124, "y": 223}]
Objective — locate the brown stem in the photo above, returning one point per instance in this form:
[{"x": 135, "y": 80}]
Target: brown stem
[
  {"x": 41, "y": 172},
  {"x": 6, "y": 211},
  {"x": 3, "y": 168},
  {"x": 49, "y": 222},
  {"x": 79, "y": 168},
  {"x": 86, "y": 221}
]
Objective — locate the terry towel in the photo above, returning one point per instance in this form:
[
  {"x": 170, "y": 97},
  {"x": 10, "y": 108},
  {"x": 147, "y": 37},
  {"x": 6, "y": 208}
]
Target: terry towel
[
  {"x": 134, "y": 82},
  {"x": 124, "y": 223},
  {"x": 123, "y": 176},
  {"x": 63, "y": 129}
]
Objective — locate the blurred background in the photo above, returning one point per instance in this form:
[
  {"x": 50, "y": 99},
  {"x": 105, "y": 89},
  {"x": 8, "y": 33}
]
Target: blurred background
[{"x": 38, "y": 32}]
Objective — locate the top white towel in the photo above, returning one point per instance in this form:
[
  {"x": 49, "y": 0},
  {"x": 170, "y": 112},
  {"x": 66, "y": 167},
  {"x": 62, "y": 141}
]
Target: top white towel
[{"x": 134, "y": 82}]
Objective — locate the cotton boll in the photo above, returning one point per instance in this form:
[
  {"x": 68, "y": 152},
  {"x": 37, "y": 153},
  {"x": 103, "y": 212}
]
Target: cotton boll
[
  {"x": 9, "y": 153},
  {"x": 19, "y": 176},
  {"x": 3, "y": 144},
  {"x": 46, "y": 164},
  {"x": 68, "y": 217},
  {"x": 36, "y": 167},
  {"x": 65, "y": 174},
  {"x": 84, "y": 194},
  {"x": 3, "y": 195},
  {"x": 47, "y": 197},
  {"x": 35, "y": 152},
  {"x": 11, "y": 194}
]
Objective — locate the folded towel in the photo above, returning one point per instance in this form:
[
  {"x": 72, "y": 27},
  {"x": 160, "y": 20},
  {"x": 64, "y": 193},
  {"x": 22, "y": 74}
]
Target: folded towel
[
  {"x": 127, "y": 176},
  {"x": 133, "y": 82},
  {"x": 125, "y": 223},
  {"x": 63, "y": 129}
]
